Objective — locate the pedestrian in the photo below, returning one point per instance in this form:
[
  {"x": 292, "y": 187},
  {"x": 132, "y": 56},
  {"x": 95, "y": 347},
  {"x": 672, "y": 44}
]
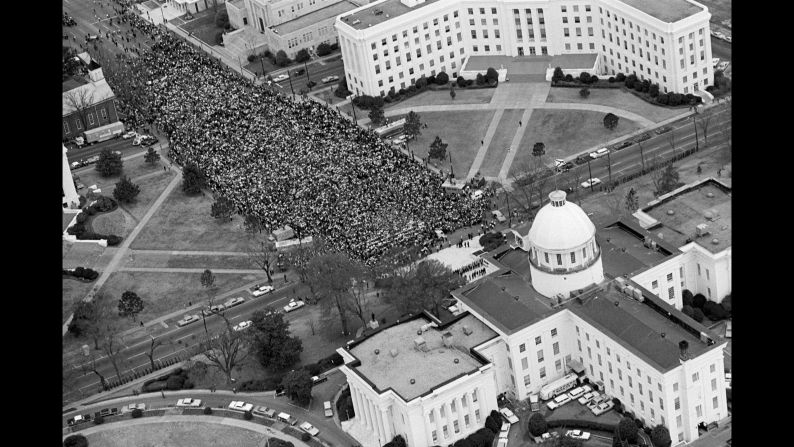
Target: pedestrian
[
  {"x": 189, "y": 303},
  {"x": 141, "y": 323},
  {"x": 285, "y": 277},
  {"x": 519, "y": 123},
  {"x": 482, "y": 142},
  {"x": 162, "y": 393}
]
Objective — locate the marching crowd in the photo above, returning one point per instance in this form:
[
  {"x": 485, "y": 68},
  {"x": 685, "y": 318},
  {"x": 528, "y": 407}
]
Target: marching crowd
[{"x": 290, "y": 162}]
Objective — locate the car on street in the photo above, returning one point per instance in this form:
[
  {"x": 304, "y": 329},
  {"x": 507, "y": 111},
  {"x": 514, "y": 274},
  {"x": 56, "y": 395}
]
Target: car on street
[
  {"x": 281, "y": 77},
  {"x": 91, "y": 37},
  {"x": 623, "y": 145},
  {"x": 332, "y": 78},
  {"x": 234, "y": 301},
  {"x": 643, "y": 137},
  {"x": 240, "y": 406},
  {"x": 218, "y": 308},
  {"x": 592, "y": 181},
  {"x": 505, "y": 430},
  {"x": 188, "y": 402},
  {"x": 327, "y": 409},
  {"x": 293, "y": 305},
  {"x": 130, "y": 407},
  {"x": 187, "y": 320},
  {"x": 243, "y": 325},
  {"x": 263, "y": 290},
  {"x": 602, "y": 408},
  {"x": 79, "y": 141},
  {"x": 317, "y": 380},
  {"x": 309, "y": 428},
  {"x": 728, "y": 326},
  {"x": 299, "y": 71},
  {"x": 92, "y": 160},
  {"x": 508, "y": 415},
  {"x": 79, "y": 419},
  {"x": 558, "y": 401},
  {"x": 562, "y": 166},
  {"x": 578, "y": 434},
  {"x": 662, "y": 130},
  {"x": 582, "y": 159},
  {"x": 587, "y": 397},
  {"x": 77, "y": 164},
  {"x": 286, "y": 417},
  {"x": 264, "y": 411},
  {"x": 130, "y": 134},
  {"x": 599, "y": 153},
  {"x": 548, "y": 436},
  {"x": 498, "y": 216}
]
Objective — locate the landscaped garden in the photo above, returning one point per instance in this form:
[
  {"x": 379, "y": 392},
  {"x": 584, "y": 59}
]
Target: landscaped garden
[{"x": 614, "y": 98}]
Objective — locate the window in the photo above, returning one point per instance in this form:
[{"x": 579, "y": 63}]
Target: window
[
  {"x": 524, "y": 363},
  {"x": 620, "y": 374},
  {"x": 537, "y": 340},
  {"x": 473, "y": 34},
  {"x": 566, "y": 32},
  {"x": 609, "y": 367},
  {"x": 485, "y": 34},
  {"x": 435, "y": 436},
  {"x": 559, "y": 259},
  {"x": 589, "y": 352},
  {"x": 573, "y": 254},
  {"x": 599, "y": 359},
  {"x": 671, "y": 293},
  {"x": 90, "y": 119},
  {"x": 677, "y": 404},
  {"x": 445, "y": 428},
  {"x": 707, "y": 273},
  {"x": 713, "y": 384},
  {"x": 65, "y": 126},
  {"x": 493, "y": 10},
  {"x": 556, "y": 347},
  {"x": 542, "y": 372},
  {"x": 540, "y": 356},
  {"x": 567, "y": 46},
  {"x": 79, "y": 124},
  {"x": 455, "y": 423},
  {"x": 698, "y": 269},
  {"x": 477, "y": 415},
  {"x": 564, "y": 8},
  {"x": 695, "y": 377},
  {"x": 470, "y": 11},
  {"x": 661, "y": 403},
  {"x": 579, "y": 343},
  {"x": 104, "y": 113},
  {"x": 527, "y": 380},
  {"x": 431, "y": 416},
  {"x": 654, "y": 284},
  {"x": 715, "y": 402},
  {"x": 522, "y": 347},
  {"x": 474, "y": 399}
]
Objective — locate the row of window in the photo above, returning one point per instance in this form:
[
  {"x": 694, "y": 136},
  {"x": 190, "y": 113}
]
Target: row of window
[
  {"x": 91, "y": 121},
  {"x": 455, "y": 422}
]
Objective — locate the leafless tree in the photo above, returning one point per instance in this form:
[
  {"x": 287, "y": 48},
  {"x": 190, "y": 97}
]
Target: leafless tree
[
  {"x": 263, "y": 254},
  {"x": 671, "y": 140},
  {"x": 615, "y": 200},
  {"x": 155, "y": 343},
  {"x": 358, "y": 300},
  {"x": 575, "y": 177},
  {"x": 112, "y": 347},
  {"x": 227, "y": 350},
  {"x": 91, "y": 367},
  {"x": 80, "y": 100},
  {"x": 704, "y": 126}
]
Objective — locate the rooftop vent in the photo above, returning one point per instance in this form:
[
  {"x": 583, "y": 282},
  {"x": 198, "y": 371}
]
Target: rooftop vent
[
  {"x": 710, "y": 195},
  {"x": 447, "y": 339},
  {"x": 387, "y": 16},
  {"x": 702, "y": 229},
  {"x": 413, "y": 381},
  {"x": 663, "y": 334},
  {"x": 393, "y": 352},
  {"x": 356, "y": 22},
  {"x": 715, "y": 241},
  {"x": 377, "y": 351},
  {"x": 419, "y": 343},
  {"x": 369, "y": 26},
  {"x": 419, "y": 331},
  {"x": 467, "y": 330},
  {"x": 456, "y": 361},
  {"x": 617, "y": 303},
  {"x": 670, "y": 212},
  {"x": 660, "y": 236},
  {"x": 683, "y": 346}
]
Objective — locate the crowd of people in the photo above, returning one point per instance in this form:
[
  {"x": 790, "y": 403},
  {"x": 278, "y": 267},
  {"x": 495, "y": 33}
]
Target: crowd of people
[{"x": 287, "y": 161}]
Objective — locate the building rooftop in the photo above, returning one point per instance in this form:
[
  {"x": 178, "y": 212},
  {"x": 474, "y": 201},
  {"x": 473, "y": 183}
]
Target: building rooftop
[
  {"x": 313, "y": 17},
  {"x": 388, "y": 9},
  {"x": 86, "y": 94},
  {"x": 624, "y": 251},
  {"x": 640, "y": 328},
  {"x": 72, "y": 83},
  {"x": 531, "y": 65},
  {"x": 675, "y": 216},
  {"x": 668, "y": 11},
  {"x": 430, "y": 368}
]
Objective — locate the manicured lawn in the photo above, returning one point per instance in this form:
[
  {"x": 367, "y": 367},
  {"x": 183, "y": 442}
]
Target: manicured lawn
[
  {"x": 441, "y": 97},
  {"x": 461, "y": 130},
  {"x": 73, "y": 292},
  {"x": 184, "y": 223},
  {"x": 117, "y": 222},
  {"x": 190, "y": 261},
  {"x": 135, "y": 167},
  {"x": 163, "y": 293},
  {"x": 203, "y": 27},
  {"x": 151, "y": 188},
  {"x": 566, "y": 132},
  {"x": 175, "y": 434},
  {"x": 256, "y": 66},
  {"x": 502, "y": 139},
  {"x": 614, "y": 98}
]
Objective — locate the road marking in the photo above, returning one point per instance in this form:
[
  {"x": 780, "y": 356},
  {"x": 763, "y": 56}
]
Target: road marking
[
  {"x": 136, "y": 355},
  {"x": 186, "y": 336}
]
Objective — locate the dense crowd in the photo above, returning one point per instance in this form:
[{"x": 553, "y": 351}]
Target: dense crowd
[{"x": 290, "y": 162}]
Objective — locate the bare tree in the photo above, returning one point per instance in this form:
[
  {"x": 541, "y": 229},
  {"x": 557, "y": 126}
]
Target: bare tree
[
  {"x": 671, "y": 140},
  {"x": 227, "y": 350},
  {"x": 574, "y": 182},
  {"x": 263, "y": 254},
  {"x": 91, "y": 367},
  {"x": 111, "y": 347},
  {"x": 80, "y": 100},
  {"x": 523, "y": 182},
  {"x": 156, "y": 343},
  {"x": 358, "y": 300},
  {"x": 704, "y": 126},
  {"x": 615, "y": 201}
]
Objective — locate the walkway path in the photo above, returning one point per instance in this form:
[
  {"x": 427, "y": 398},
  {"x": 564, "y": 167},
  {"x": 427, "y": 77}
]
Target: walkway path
[
  {"x": 189, "y": 253},
  {"x": 645, "y": 122},
  {"x": 188, "y": 270},
  {"x": 511, "y": 154},
  {"x": 475, "y": 166}
]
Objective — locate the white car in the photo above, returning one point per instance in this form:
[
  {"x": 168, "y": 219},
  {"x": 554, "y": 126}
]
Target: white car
[
  {"x": 79, "y": 141},
  {"x": 508, "y": 415},
  {"x": 188, "y": 402},
  {"x": 476, "y": 195},
  {"x": 578, "y": 434},
  {"x": 293, "y": 305},
  {"x": 577, "y": 392},
  {"x": 213, "y": 310},
  {"x": 265, "y": 411},
  {"x": 130, "y": 407},
  {"x": 593, "y": 181},
  {"x": 309, "y": 428},
  {"x": 138, "y": 140},
  {"x": 187, "y": 320},
  {"x": 602, "y": 408},
  {"x": 130, "y": 134},
  {"x": 263, "y": 290},
  {"x": 281, "y": 77},
  {"x": 505, "y": 430},
  {"x": 233, "y": 302},
  {"x": 498, "y": 216},
  {"x": 243, "y": 325},
  {"x": 558, "y": 401},
  {"x": 240, "y": 405},
  {"x": 331, "y": 78},
  {"x": 327, "y": 409},
  {"x": 588, "y": 397},
  {"x": 599, "y": 153}
]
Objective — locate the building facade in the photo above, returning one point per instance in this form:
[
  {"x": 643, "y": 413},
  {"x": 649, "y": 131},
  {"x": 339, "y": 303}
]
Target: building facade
[
  {"x": 70, "y": 198},
  {"x": 391, "y": 43},
  {"x": 87, "y": 103}
]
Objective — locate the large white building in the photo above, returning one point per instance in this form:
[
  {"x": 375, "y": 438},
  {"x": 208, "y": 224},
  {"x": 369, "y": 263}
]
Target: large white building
[
  {"x": 70, "y": 198},
  {"x": 663, "y": 366},
  {"x": 392, "y": 43}
]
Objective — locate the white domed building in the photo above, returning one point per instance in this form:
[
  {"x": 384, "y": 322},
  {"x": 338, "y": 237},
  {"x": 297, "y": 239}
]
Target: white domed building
[{"x": 563, "y": 253}]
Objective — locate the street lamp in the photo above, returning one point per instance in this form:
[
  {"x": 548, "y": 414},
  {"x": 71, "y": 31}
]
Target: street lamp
[
  {"x": 306, "y": 69},
  {"x": 642, "y": 157},
  {"x": 609, "y": 167},
  {"x": 451, "y": 168}
]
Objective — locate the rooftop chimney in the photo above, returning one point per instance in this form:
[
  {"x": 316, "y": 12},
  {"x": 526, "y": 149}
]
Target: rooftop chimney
[
  {"x": 683, "y": 345},
  {"x": 447, "y": 339}
]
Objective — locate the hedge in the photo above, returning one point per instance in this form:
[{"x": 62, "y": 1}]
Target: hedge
[
  {"x": 305, "y": 437},
  {"x": 136, "y": 413},
  {"x": 75, "y": 441},
  {"x": 207, "y": 410},
  {"x": 581, "y": 424},
  {"x": 82, "y": 273},
  {"x": 268, "y": 384}
]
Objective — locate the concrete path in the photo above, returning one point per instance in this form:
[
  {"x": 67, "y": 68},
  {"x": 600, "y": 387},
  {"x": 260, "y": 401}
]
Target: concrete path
[
  {"x": 475, "y": 166},
  {"x": 188, "y": 270},
  {"x": 511, "y": 154},
  {"x": 189, "y": 253},
  {"x": 645, "y": 122}
]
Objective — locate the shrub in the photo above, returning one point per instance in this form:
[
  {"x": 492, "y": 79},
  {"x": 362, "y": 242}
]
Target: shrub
[
  {"x": 537, "y": 424},
  {"x": 136, "y": 413},
  {"x": 276, "y": 442},
  {"x": 461, "y": 81},
  {"x": 726, "y": 303},
  {"x": 618, "y": 405},
  {"x": 584, "y": 77},
  {"x": 627, "y": 430},
  {"x": 491, "y": 75},
  {"x": 323, "y": 49},
  {"x": 113, "y": 240},
  {"x": 686, "y": 297},
  {"x": 663, "y": 99},
  {"x": 569, "y": 78},
  {"x": 305, "y": 437},
  {"x": 222, "y": 19},
  {"x": 219, "y": 38},
  {"x": 81, "y": 218},
  {"x": 75, "y": 441},
  {"x": 480, "y": 79},
  {"x": 639, "y": 423},
  {"x": 248, "y": 415},
  {"x": 584, "y": 93},
  {"x": 421, "y": 83},
  {"x": 188, "y": 385},
  {"x": 558, "y": 75},
  {"x": 698, "y": 315},
  {"x": 492, "y": 424},
  {"x": 714, "y": 311},
  {"x": 660, "y": 436},
  {"x": 207, "y": 410},
  {"x": 442, "y": 78},
  {"x": 313, "y": 368},
  {"x": 689, "y": 311},
  {"x": 699, "y": 301},
  {"x": 593, "y": 79},
  {"x": 281, "y": 59},
  {"x": 302, "y": 55},
  {"x": 469, "y": 82},
  {"x": 251, "y": 58}
]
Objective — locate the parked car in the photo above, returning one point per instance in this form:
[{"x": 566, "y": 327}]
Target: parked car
[
  {"x": 728, "y": 327},
  {"x": 558, "y": 401},
  {"x": 332, "y": 78},
  {"x": 79, "y": 141},
  {"x": 234, "y": 301},
  {"x": 92, "y": 160},
  {"x": 563, "y": 166},
  {"x": 264, "y": 411},
  {"x": 602, "y": 408},
  {"x": 577, "y": 392},
  {"x": 79, "y": 419},
  {"x": 281, "y": 77},
  {"x": 91, "y": 37},
  {"x": 188, "y": 402},
  {"x": 548, "y": 436},
  {"x": 240, "y": 406},
  {"x": 243, "y": 325},
  {"x": 77, "y": 183},
  {"x": 317, "y": 379},
  {"x": 582, "y": 159},
  {"x": 286, "y": 417},
  {"x": 578, "y": 434},
  {"x": 130, "y": 134},
  {"x": 508, "y": 415},
  {"x": 662, "y": 130},
  {"x": 588, "y": 397},
  {"x": 293, "y": 305},
  {"x": 623, "y": 145},
  {"x": 299, "y": 71},
  {"x": 327, "y": 409},
  {"x": 187, "y": 320},
  {"x": 505, "y": 430},
  {"x": 599, "y": 153},
  {"x": 643, "y": 137},
  {"x": 498, "y": 216},
  {"x": 130, "y": 407},
  {"x": 592, "y": 181},
  {"x": 309, "y": 428},
  {"x": 263, "y": 290}
]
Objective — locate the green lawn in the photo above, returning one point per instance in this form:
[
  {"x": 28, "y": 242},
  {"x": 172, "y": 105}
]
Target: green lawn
[
  {"x": 135, "y": 167},
  {"x": 614, "y": 98},
  {"x": 151, "y": 188},
  {"x": 566, "y": 132},
  {"x": 502, "y": 139},
  {"x": 73, "y": 292},
  {"x": 441, "y": 97},
  {"x": 256, "y": 66},
  {"x": 461, "y": 130},
  {"x": 203, "y": 27},
  {"x": 175, "y": 434},
  {"x": 190, "y": 261},
  {"x": 163, "y": 293},
  {"x": 184, "y": 223}
]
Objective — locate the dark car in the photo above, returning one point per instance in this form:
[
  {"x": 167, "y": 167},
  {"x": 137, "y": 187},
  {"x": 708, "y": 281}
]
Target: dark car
[
  {"x": 299, "y": 71},
  {"x": 567, "y": 167},
  {"x": 663, "y": 130},
  {"x": 311, "y": 84},
  {"x": 623, "y": 145},
  {"x": 582, "y": 159},
  {"x": 643, "y": 137}
]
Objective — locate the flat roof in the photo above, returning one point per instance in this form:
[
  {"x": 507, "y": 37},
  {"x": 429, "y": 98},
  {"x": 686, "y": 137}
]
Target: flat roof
[
  {"x": 639, "y": 328},
  {"x": 623, "y": 251},
  {"x": 520, "y": 65},
  {"x": 669, "y": 11},
  {"x": 690, "y": 205},
  {"x": 429, "y": 368},
  {"x": 313, "y": 17},
  {"x": 390, "y": 9}
]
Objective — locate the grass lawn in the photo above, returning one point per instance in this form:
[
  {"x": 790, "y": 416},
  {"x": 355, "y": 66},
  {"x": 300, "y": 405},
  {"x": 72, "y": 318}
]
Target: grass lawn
[
  {"x": 151, "y": 188},
  {"x": 117, "y": 222},
  {"x": 441, "y": 97},
  {"x": 190, "y": 261},
  {"x": 184, "y": 223},
  {"x": 175, "y": 434},
  {"x": 501, "y": 141},
  {"x": 566, "y": 132},
  {"x": 461, "y": 130},
  {"x": 614, "y": 98},
  {"x": 256, "y": 66},
  {"x": 133, "y": 168},
  {"x": 163, "y": 293},
  {"x": 73, "y": 292},
  {"x": 203, "y": 27}
]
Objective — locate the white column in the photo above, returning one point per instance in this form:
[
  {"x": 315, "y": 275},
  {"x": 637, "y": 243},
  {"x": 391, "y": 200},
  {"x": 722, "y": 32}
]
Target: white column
[
  {"x": 370, "y": 419},
  {"x": 471, "y": 403},
  {"x": 428, "y": 428},
  {"x": 459, "y": 406},
  {"x": 386, "y": 426},
  {"x": 439, "y": 430},
  {"x": 358, "y": 405},
  {"x": 68, "y": 183},
  {"x": 379, "y": 425},
  {"x": 448, "y": 411}
]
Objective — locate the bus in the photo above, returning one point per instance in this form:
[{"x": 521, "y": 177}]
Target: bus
[{"x": 558, "y": 386}]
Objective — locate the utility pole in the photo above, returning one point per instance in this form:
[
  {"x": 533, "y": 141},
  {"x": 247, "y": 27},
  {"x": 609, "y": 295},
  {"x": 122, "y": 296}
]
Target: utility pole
[
  {"x": 590, "y": 180},
  {"x": 353, "y": 105},
  {"x": 509, "y": 214},
  {"x": 694, "y": 124},
  {"x": 306, "y": 69},
  {"x": 451, "y": 169},
  {"x": 264, "y": 73},
  {"x": 609, "y": 167},
  {"x": 289, "y": 76}
]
